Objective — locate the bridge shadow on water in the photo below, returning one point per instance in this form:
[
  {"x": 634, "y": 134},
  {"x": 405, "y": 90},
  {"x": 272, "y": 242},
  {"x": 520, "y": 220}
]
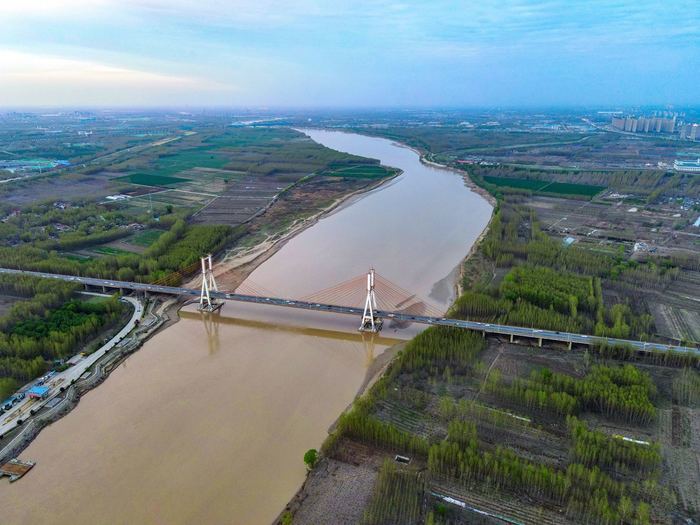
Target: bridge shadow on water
[{"x": 213, "y": 320}]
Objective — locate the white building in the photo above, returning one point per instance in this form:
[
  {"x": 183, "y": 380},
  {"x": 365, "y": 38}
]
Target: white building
[{"x": 689, "y": 166}]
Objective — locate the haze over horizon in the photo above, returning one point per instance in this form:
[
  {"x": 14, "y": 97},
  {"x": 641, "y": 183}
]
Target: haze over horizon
[{"x": 351, "y": 53}]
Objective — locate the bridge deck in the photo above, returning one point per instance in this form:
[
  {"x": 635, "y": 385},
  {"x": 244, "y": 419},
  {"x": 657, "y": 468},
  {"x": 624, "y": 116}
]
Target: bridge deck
[{"x": 489, "y": 328}]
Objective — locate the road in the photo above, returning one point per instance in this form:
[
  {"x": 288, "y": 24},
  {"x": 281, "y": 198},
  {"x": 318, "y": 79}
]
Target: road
[
  {"x": 8, "y": 420},
  {"x": 487, "y": 328}
]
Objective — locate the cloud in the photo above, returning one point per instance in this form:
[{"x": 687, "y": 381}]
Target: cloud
[
  {"x": 47, "y": 8},
  {"x": 392, "y": 23},
  {"x": 48, "y": 79},
  {"x": 265, "y": 12},
  {"x": 27, "y": 66},
  {"x": 272, "y": 48}
]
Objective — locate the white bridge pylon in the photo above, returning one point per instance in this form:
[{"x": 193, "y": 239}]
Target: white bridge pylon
[
  {"x": 370, "y": 321},
  {"x": 208, "y": 285}
]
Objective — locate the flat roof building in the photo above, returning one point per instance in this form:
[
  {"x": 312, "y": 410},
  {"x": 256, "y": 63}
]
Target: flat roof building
[
  {"x": 38, "y": 392},
  {"x": 691, "y": 166}
]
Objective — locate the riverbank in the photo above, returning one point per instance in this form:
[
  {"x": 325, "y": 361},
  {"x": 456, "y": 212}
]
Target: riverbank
[
  {"x": 326, "y": 487},
  {"x": 237, "y": 265},
  {"x": 467, "y": 179},
  {"x": 459, "y": 285},
  {"x": 160, "y": 318}
]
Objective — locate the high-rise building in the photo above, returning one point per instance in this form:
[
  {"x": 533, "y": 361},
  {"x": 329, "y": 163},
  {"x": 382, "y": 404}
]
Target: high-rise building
[
  {"x": 669, "y": 125},
  {"x": 660, "y": 122}
]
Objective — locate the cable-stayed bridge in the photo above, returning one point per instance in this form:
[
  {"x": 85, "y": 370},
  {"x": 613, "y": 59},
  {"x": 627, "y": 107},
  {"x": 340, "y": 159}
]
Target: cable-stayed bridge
[{"x": 382, "y": 300}]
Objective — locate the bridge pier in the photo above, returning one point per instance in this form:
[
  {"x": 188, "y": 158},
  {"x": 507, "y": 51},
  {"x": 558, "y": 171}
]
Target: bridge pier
[
  {"x": 539, "y": 342},
  {"x": 208, "y": 285},
  {"x": 370, "y": 321},
  {"x": 512, "y": 340}
]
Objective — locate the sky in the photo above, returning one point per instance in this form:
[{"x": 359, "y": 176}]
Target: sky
[{"x": 348, "y": 53}]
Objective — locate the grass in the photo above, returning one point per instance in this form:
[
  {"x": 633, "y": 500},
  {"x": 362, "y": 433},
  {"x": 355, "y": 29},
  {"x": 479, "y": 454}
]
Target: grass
[
  {"x": 109, "y": 250},
  {"x": 540, "y": 186},
  {"x": 145, "y": 179},
  {"x": 145, "y": 238},
  {"x": 96, "y": 299},
  {"x": 370, "y": 171},
  {"x": 76, "y": 257}
]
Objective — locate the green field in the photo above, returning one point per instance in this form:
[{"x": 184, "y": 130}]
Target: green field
[
  {"x": 200, "y": 157},
  {"x": 540, "y": 186},
  {"x": 145, "y": 238},
  {"x": 145, "y": 179},
  {"x": 245, "y": 137},
  {"x": 370, "y": 171}
]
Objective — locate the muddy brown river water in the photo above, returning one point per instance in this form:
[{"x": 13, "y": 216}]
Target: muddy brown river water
[{"x": 209, "y": 421}]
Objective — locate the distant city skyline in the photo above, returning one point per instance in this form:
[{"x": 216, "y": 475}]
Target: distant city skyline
[{"x": 346, "y": 53}]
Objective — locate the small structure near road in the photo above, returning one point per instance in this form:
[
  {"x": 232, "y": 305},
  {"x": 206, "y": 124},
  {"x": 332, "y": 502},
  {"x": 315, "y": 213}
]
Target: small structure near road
[
  {"x": 38, "y": 392},
  {"x": 53, "y": 402},
  {"x": 640, "y": 247},
  {"x": 16, "y": 468}
]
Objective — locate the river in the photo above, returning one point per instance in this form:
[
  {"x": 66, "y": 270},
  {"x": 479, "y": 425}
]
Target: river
[{"x": 208, "y": 422}]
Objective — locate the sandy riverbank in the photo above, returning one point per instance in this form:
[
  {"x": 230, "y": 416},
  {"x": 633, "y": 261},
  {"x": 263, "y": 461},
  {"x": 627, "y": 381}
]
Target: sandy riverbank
[
  {"x": 237, "y": 265},
  {"x": 478, "y": 190}
]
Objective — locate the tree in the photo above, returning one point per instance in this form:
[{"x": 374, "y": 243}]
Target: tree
[
  {"x": 310, "y": 458},
  {"x": 7, "y": 386}
]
